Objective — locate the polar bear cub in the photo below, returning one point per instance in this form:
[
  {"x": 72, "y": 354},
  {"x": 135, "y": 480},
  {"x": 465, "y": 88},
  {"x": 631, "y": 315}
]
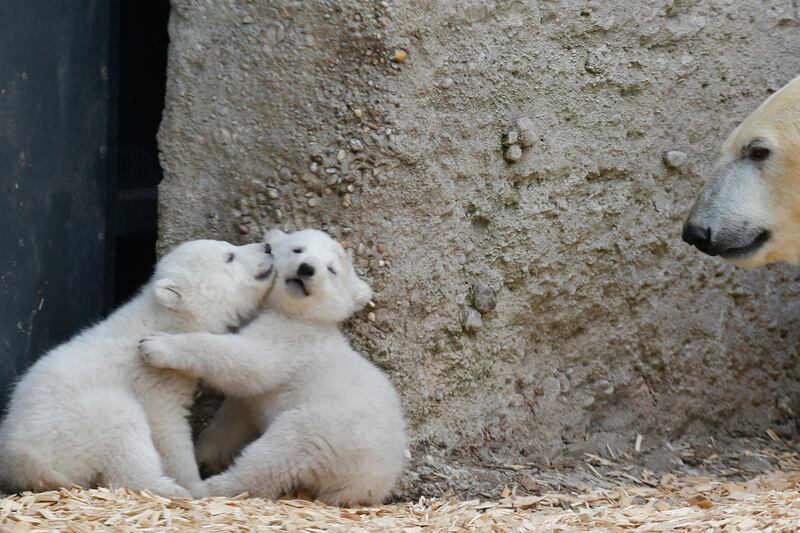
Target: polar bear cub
[
  {"x": 90, "y": 412},
  {"x": 326, "y": 421}
]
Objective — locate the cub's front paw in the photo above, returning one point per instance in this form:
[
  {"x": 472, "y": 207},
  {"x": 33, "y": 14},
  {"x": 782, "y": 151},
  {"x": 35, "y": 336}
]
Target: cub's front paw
[
  {"x": 167, "y": 487},
  {"x": 156, "y": 350}
]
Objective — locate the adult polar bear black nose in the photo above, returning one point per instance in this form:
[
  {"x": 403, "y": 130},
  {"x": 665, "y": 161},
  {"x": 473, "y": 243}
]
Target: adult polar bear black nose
[
  {"x": 305, "y": 270},
  {"x": 697, "y": 236}
]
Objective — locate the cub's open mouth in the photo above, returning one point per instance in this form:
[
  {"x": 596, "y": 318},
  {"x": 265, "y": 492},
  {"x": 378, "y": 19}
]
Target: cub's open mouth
[
  {"x": 743, "y": 252},
  {"x": 264, "y": 275},
  {"x": 297, "y": 287}
]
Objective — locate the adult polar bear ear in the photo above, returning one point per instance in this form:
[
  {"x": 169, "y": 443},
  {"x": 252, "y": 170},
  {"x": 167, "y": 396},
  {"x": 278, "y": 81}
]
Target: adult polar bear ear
[{"x": 168, "y": 293}]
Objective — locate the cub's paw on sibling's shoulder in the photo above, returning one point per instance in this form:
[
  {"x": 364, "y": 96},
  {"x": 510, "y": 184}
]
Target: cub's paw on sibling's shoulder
[{"x": 157, "y": 349}]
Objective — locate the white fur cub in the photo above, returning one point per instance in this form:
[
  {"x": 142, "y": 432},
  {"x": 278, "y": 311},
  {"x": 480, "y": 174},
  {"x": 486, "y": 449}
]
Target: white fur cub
[
  {"x": 326, "y": 421},
  {"x": 90, "y": 412}
]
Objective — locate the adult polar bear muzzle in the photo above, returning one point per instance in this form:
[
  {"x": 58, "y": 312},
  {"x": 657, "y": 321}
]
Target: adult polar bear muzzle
[
  {"x": 730, "y": 218},
  {"x": 749, "y": 211}
]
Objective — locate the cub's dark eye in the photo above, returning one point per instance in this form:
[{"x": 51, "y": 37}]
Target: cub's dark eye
[
  {"x": 331, "y": 270},
  {"x": 758, "y": 152},
  {"x": 298, "y": 250},
  {"x": 267, "y": 248},
  {"x": 229, "y": 258}
]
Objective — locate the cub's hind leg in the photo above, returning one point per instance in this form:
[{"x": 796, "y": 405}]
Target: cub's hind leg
[
  {"x": 274, "y": 465},
  {"x": 226, "y": 435},
  {"x": 123, "y": 447}
]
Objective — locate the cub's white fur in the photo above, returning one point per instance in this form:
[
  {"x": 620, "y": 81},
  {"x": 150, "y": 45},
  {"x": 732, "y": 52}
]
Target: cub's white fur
[
  {"x": 90, "y": 412},
  {"x": 325, "y": 420}
]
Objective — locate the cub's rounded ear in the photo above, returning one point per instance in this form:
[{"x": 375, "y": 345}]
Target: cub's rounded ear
[
  {"x": 273, "y": 235},
  {"x": 362, "y": 293},
  {"x": 168, "y": 293}
]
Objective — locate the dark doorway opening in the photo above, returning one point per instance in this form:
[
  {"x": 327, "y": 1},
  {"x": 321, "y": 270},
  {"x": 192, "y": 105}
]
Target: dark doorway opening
[
  {"x": 143, "y": 43},
  {"x": 82, "y": 88}
]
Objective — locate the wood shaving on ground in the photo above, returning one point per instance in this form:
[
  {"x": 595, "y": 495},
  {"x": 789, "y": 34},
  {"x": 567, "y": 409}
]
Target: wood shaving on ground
[{"x": 675, "y": 503}]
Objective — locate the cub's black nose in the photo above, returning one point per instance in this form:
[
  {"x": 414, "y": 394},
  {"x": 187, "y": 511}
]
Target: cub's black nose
[
  {"x": 267, "y": 248},
  {"x": 697, "y": 236},
  {"x": 305, "y": 270}
]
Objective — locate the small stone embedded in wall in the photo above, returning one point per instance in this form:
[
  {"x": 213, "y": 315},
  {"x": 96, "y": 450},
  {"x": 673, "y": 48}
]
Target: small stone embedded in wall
[
  {"x": 485, "y": 299},
  {"x": 514, "y": 140},
  {"x": 528, "y": 133},
  {"x": 511, "y": 138},
  {"x": 513, "y": 153},
  {"x": 472, "y": 320},
  {"x": 675, "y": 159}
]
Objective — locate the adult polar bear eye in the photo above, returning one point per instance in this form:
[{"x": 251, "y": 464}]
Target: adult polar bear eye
[
  {"x": 331, "y": 270},
  {"x": 229, "y": 257},
  {"x": 756, "y": 151}
]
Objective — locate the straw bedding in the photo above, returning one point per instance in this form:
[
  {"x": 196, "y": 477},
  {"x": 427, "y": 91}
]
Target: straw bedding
[{"x": 768, "y": 502}]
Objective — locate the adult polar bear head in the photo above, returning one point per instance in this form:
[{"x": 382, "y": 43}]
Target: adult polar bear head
[
  {"x": 213, "y": 285},
  {"x": 749, "y": 211},
  {"x": 316, "y": 280}
]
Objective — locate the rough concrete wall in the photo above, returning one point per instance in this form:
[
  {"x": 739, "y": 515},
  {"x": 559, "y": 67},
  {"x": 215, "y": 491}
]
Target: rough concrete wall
[{"x": 301, "y": 113}]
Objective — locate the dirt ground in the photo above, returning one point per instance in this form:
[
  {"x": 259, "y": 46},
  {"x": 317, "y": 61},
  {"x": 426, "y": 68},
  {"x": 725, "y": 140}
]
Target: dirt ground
[
  {"x": 728, "y": 457},
  {"x": 711, "y": 492}
]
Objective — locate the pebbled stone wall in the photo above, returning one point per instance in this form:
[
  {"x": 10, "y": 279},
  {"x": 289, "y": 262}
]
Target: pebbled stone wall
[{"x": 384, "y": 123}]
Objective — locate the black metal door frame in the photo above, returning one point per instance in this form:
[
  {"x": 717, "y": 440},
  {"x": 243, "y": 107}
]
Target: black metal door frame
[{"x": 81, "y": 93}]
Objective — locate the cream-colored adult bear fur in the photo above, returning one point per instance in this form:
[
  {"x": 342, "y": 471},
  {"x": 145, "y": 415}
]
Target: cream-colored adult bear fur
[
  {"x": 749, "y": 212},
  {"x": 91, "y": 412},
  {"x": 326, "y": 421}
]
